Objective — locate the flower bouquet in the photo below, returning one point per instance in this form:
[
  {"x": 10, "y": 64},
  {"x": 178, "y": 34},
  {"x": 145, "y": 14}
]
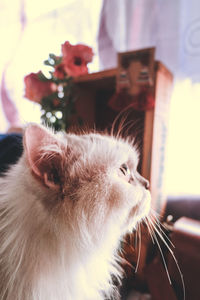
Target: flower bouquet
[{"x": 56, "y": 93}]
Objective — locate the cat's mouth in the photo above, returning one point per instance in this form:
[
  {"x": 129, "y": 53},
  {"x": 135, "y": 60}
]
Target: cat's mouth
[{"x": 141, "y": 210}]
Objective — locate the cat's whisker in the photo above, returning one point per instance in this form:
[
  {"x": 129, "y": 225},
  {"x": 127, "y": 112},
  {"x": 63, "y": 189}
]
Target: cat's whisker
[
  {"x": 136, "y": 239},
  {"x": 161, "y": 237},
  {"x": 124, "y": 116},
  {"x": 173, "y": 256},
  {"x": 149, "y": 230},
  {"x": 162, "y": 255},
  {"x": 156, "y": 222},
  {"x": 120, "y": 123},
  {"x": 139, "y": 249},
  {"x": 159, "y": 224},
  {"x": 164, "y": 234},
  {"x": 130, "y": 124},
  {"x": 120, "y": 126},
  {"x": 157, "y": 216}
]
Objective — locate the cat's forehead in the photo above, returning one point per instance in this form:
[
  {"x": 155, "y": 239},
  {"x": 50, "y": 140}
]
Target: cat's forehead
[{"x": 104, "y": 146}]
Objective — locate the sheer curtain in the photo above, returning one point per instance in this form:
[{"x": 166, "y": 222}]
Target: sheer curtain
[
  {"x": 30, "y": 30},
  {"x": 173, "y": 27}
]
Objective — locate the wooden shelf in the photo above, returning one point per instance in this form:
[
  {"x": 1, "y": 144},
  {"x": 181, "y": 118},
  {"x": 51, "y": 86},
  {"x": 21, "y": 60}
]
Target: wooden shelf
[{"x": 106, "y": 74}]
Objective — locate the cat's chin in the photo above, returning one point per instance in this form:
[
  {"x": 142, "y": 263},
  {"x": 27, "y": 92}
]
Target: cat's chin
[
  {"x": 138, "y": 214},
  {"x": 146, "y": 205}
]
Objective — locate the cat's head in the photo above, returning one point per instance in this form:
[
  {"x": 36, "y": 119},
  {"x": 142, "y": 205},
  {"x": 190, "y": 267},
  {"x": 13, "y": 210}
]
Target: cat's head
[{"x": 88, "y": 181}]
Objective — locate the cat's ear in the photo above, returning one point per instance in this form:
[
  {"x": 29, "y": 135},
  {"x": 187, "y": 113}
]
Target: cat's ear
[{"x": 44, "y": 155}]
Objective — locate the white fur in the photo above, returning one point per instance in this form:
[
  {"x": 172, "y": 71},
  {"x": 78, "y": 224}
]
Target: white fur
[{"x": 66, "y": 249}]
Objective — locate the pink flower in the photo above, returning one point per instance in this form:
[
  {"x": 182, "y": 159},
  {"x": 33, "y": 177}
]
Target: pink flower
[
  {"x": 59, "y": 71},
  {"x": 35, "y": 89},
  {"x": 76, "y": 58}
]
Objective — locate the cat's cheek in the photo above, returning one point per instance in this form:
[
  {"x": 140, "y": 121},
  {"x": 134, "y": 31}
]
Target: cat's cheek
[
  {"x": 145, "y": 206},
  {"x": 140, "y": 207}
]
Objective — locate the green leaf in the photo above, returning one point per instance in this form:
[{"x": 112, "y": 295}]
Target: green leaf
[
  {"x": 42, "y": 77},
  {"x": 66, "y": 104},
  {"x": 47, "y": 63},
  {"x": 52, "y": 56},
  {"x": 56, "y": 59}
]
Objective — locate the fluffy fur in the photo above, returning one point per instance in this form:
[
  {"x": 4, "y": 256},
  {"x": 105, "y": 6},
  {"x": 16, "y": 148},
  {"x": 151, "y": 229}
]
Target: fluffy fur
[{"x": 63, "y": 209}]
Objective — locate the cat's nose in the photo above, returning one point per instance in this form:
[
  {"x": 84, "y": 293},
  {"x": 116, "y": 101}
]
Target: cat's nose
[
  {"x": 143, "y": 181},
  {"x": 146, "y": 184}
]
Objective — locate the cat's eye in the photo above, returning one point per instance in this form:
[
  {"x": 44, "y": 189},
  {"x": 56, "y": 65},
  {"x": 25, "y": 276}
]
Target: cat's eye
[
  {"x": 126, "y": 173},
  {"x": 124, "y": 169}
]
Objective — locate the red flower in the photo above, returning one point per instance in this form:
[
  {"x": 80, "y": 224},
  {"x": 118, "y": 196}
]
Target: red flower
[
  {"x": 35, "y": 89},
  {"x": 60, "y": 71},
  {"x": 56, "y": 102},
  {"x": 76, "y": 58}
]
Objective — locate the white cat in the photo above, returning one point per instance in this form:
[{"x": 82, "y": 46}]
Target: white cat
[{"x": 63, "y": 209}]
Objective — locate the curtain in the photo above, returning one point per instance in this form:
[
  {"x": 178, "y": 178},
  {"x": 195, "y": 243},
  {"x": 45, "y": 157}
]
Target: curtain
[
  {"x": 173, "y": 27},
  {"x": 30, "y": 30}
]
